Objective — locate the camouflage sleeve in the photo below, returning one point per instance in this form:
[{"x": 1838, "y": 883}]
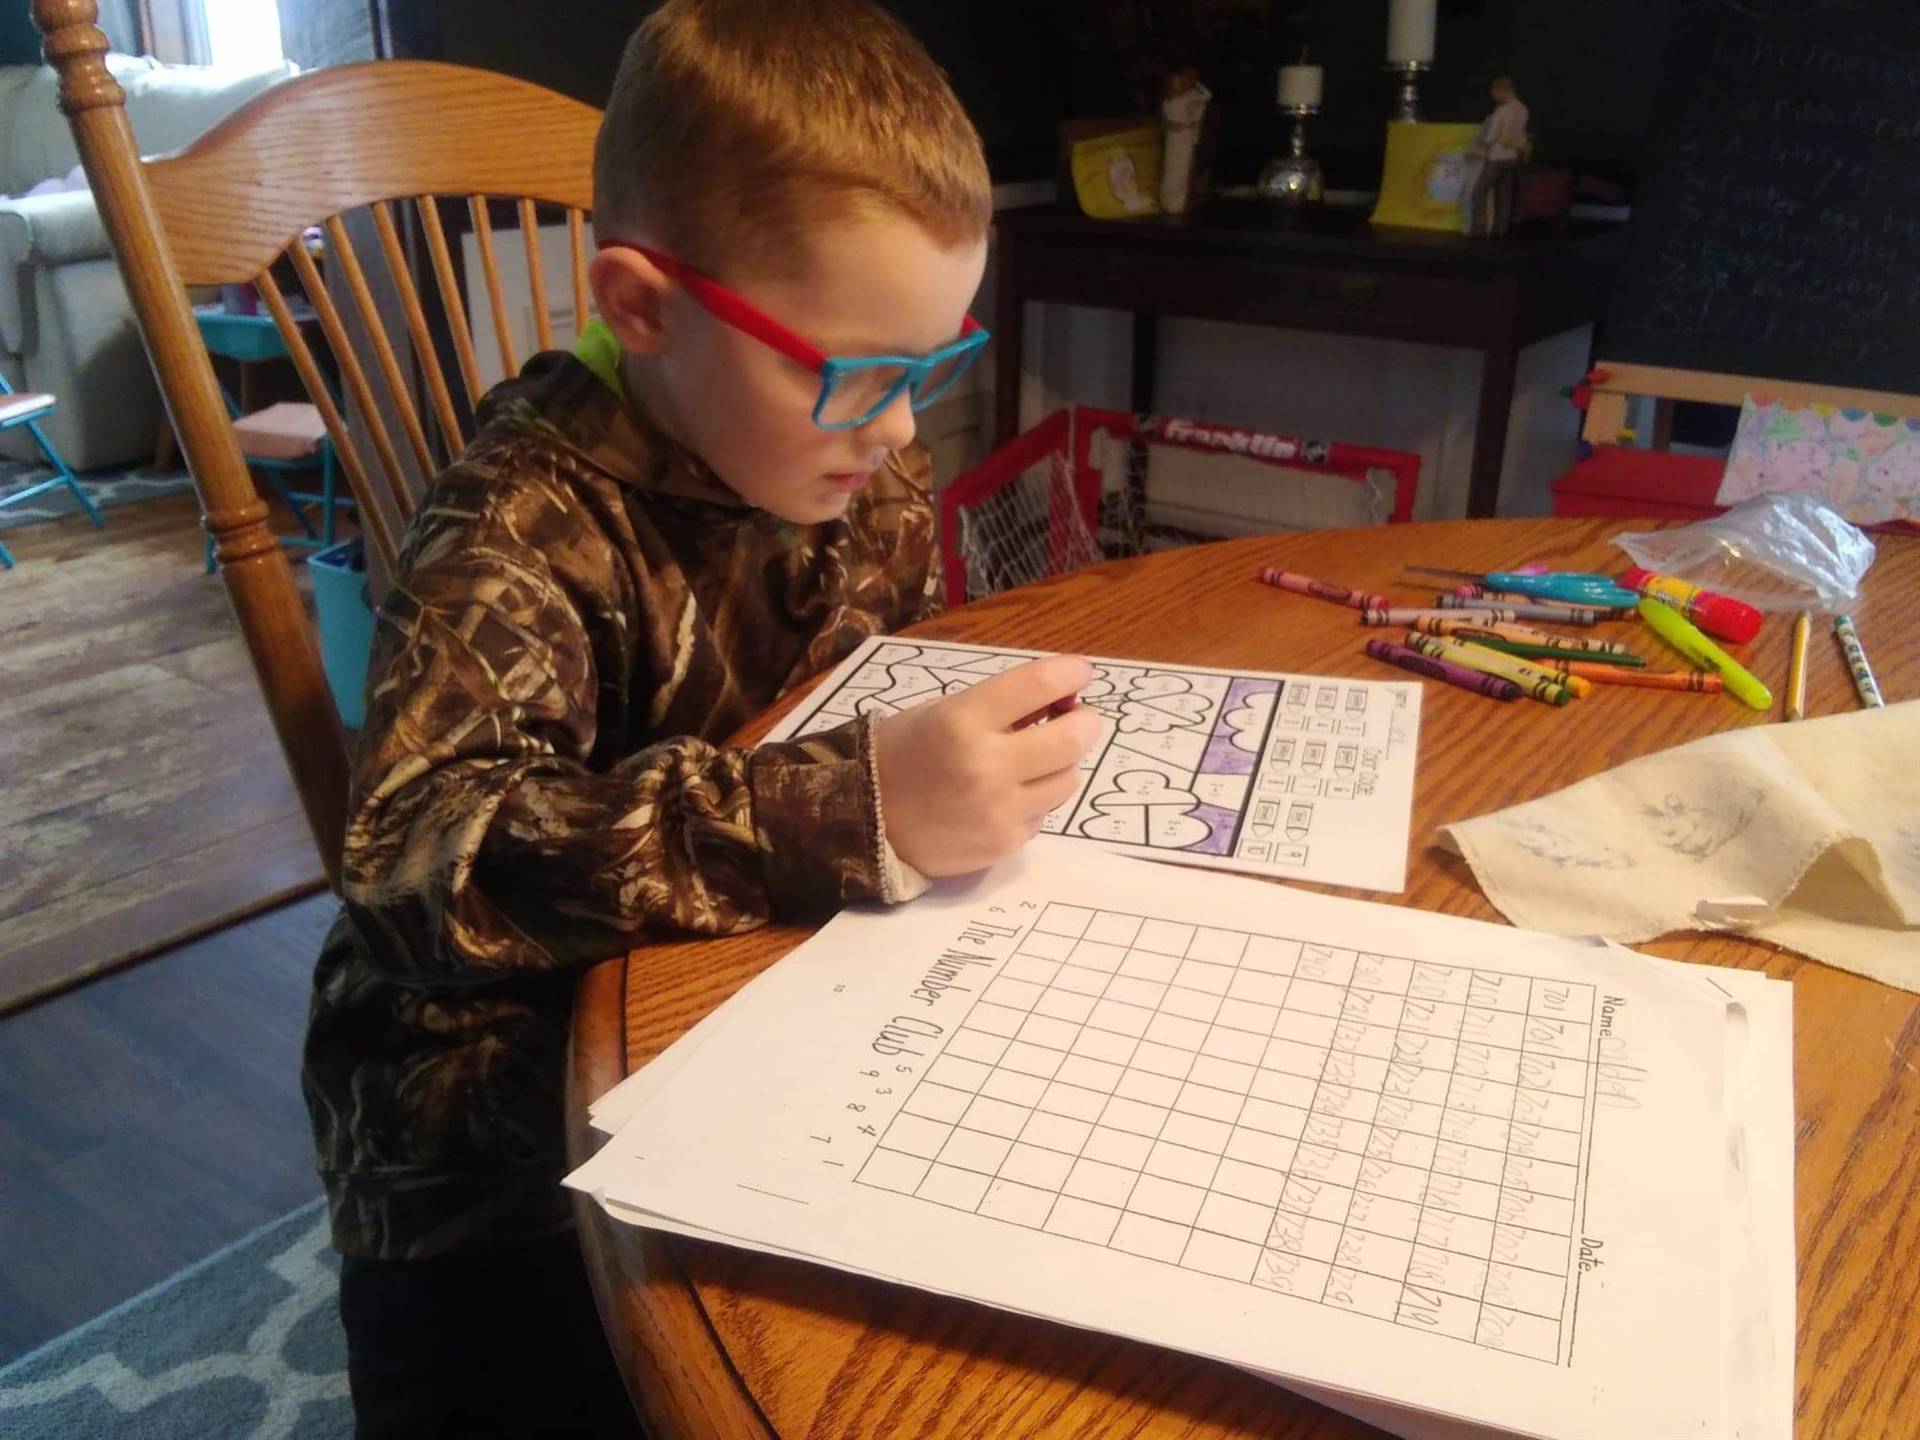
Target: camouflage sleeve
[
  {"x": 933, "y": 598},
  {"x": 916, "y": 538},
  {"x": 488, "y": 827}
]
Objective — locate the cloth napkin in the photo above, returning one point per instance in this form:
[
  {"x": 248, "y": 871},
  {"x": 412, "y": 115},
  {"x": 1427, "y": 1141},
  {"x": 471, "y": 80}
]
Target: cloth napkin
[{"x": 1804, "y": 835}]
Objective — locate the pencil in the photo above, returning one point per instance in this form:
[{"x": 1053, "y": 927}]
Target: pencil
[
  {"x": 1857, "y": 666},
  {"x": 1797, "y": 667}
]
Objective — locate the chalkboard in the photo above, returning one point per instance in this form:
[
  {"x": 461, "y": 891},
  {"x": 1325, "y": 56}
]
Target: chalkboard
[{"x": 1776, "y": 229}]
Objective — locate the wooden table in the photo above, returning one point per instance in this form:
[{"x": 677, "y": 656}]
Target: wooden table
[
  {"x": 718, "y": 1341},
  {"x": 1316, "y": 267}
]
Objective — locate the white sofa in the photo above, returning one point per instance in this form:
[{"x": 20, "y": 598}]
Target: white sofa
[{"x": 65, "y": 322}]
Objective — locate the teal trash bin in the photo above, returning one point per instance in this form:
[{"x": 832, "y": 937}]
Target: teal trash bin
[{"x": 346, "y": 624}]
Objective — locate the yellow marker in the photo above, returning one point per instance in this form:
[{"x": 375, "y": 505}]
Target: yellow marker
[
  {"x": 1549, "y": 688},
  {"x": 1679, "y": 632},
  {"x": 1797, "y": 668}
]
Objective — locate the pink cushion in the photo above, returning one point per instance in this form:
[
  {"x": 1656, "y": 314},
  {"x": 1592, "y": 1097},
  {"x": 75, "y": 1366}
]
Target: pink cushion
[
  {"x": 287, "y": 431},
  {"x": 23, "y": 406}
]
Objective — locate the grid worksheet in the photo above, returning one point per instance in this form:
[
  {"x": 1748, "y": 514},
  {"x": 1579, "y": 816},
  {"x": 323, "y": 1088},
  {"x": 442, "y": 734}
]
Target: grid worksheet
[{"x": 1397, "y": 1138}]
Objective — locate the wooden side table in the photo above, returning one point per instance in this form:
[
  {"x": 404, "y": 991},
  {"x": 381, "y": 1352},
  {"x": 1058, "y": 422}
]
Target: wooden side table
[{"x": 1317, "y": 268}]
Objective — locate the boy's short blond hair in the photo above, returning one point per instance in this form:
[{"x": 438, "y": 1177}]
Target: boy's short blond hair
[{"x": 738, "y": 126}]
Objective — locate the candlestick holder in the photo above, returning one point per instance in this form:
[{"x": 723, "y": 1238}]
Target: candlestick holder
[
  {"x": 1407, "y": 106},
  {"x": 1295, "y": 176}
]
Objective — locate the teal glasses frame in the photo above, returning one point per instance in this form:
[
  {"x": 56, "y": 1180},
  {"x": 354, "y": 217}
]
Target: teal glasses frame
[{"x": 925, "y": 378}]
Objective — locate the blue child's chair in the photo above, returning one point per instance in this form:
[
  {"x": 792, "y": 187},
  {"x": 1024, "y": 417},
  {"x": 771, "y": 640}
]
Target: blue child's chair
[{"x": 17, "y": 409}]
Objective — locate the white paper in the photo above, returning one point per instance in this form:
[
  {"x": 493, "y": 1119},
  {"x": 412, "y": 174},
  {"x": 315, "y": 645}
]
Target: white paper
[
  {"x": 1195, "y": 765},
  {"x": 875, "y": 1101}
]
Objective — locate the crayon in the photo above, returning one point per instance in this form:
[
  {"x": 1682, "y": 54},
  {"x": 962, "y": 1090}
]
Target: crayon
[
  {"x": 1319, "y": 589},
  {"x": 1697, "y": 681},
  {"x": 1475, "y": 680},
  {"x": 1507, "y": 630},
  {"x": 1605, "y": 612},
  {"x": 1856, "y": 658},
  {"x": 1797, "y": 667},
  {"x": 1532, "y": 653},
  {"x": 1523, "y": 639},
  {"x": 1415, "y": 615},
  {"x": 1548, "y": 689},
  {"x": 1512, "y": 665},
  {"x": 1521, "y": 608}
]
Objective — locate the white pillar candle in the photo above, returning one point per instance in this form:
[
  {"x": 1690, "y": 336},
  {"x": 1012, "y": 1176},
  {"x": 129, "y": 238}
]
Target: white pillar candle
[
  {"x": 1410, "y": 31},
  {"x": 1300, "y": 85}
]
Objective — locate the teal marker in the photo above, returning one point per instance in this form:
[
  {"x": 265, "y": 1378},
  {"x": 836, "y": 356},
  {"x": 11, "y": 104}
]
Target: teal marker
[{"x": 1681, "y": 633}]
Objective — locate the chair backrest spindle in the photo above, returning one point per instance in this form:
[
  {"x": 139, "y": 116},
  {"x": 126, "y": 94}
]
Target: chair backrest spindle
[{"x": 315, "y": 151}]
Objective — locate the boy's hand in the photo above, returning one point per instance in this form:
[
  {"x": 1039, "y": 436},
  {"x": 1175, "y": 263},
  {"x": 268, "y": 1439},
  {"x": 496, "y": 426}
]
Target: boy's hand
[{"x": 968, "y": 779}]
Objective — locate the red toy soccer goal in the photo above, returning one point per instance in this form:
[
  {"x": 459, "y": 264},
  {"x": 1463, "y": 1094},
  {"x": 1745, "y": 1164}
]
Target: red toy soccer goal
[{"x": 1074, "y": 490}]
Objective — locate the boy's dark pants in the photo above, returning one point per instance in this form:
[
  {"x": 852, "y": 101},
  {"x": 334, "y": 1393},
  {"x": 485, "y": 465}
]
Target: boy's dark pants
[{"x": 502, "y": 1342}]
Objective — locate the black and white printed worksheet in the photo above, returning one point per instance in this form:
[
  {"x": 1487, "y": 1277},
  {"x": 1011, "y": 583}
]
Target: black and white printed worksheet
[
  {"x": 1430, "y": 1170},
  {"x": 1302, "y": 777}
]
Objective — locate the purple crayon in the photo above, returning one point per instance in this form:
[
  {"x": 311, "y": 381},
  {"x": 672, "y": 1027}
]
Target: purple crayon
[{"x": 1427, "y": 665}]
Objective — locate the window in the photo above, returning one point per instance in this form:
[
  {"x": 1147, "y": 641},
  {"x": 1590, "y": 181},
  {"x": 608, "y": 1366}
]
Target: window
[{"x": 243, "y": 34}]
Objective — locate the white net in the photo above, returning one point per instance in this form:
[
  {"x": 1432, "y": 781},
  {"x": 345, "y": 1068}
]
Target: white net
[
  {"x": 1158, "y": 495},
  {"x": 1146, "y": 493},
  {"x": 1028, "y": 528}
]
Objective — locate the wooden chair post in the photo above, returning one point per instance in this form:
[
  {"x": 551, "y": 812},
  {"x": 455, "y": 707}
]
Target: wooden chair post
[{"x": 258, "y": 579}]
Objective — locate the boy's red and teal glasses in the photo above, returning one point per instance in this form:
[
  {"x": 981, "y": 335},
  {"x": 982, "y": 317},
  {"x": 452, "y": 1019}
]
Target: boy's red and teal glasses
[{"x": 854, "y": 389}]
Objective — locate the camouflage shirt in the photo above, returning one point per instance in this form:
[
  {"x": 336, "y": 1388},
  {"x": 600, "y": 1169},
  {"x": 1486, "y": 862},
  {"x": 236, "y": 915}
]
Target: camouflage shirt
[{"x": 582, "y": 613}]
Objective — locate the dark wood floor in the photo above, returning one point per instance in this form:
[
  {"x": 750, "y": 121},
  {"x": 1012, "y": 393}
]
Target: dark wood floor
[
  {"x": 145, "y": 798},
  {"x": 150, "y": 1118}
]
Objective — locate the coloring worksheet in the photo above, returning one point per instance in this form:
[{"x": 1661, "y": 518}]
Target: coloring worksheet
[
  {"x": 1297, "y": 776},
  {"x": 1414, "y": 1164}
]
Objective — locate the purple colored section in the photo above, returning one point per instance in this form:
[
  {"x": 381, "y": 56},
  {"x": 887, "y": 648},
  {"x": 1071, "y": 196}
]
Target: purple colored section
[
  {"x": 1220, "y": 824},
  {"x": 1223, "y": 757}
]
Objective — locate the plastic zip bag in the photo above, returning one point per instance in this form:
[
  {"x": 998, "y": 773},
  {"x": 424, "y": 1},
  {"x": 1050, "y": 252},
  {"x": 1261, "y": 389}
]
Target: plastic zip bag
[{"x": 1777, "y": 552}]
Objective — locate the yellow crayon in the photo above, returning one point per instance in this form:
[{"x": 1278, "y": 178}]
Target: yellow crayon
[
  {"x": 1550, "y": 689},
  {"x": 1531, "y": 636}
]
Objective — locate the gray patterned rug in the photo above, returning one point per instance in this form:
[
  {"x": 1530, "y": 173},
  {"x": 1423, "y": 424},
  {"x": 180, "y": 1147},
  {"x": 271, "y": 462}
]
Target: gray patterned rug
[
  {"x": 245, "y": 1343},
  {"x": 106, "y": 487}
]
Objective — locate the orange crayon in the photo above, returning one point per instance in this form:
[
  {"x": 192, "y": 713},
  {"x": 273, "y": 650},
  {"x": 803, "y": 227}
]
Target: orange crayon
[{"x": 1698, "y": 681}]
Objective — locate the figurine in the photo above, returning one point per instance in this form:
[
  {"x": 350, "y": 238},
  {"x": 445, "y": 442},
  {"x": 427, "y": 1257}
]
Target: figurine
[
  {"x": 1182, "y": 107},
  {"x": 1497, "y": 151}
]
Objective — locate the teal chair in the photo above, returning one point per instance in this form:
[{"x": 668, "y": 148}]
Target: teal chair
[
  {"x": 18, "y": 409},
  {"x": 282, "y": 440}
]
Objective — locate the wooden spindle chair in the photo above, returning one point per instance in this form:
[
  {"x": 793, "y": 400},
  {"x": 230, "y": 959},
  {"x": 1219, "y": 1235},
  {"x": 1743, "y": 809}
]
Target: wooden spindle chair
[{"x": 393, "y": 141}]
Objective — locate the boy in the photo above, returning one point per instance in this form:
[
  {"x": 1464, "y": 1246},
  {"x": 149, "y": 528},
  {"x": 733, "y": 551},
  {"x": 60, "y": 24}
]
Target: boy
[{"x": 647, "y": 543}]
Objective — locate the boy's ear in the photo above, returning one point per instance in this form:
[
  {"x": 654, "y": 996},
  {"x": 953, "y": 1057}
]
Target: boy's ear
[{"x": 630, "y": 293}]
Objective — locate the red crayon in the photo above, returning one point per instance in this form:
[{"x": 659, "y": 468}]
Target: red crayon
[{"x": 1319, "y": 589}]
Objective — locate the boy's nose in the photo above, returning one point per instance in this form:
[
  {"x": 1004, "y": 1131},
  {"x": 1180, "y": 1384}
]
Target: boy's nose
[{"x": 893, "y": 428}]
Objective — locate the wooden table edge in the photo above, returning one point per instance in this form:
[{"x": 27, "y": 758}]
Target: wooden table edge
[{"x": 676, "y": 1371}]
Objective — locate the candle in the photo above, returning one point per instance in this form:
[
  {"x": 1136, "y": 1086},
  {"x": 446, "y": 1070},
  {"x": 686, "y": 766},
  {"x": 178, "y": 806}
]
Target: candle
[
  {"x": 1410, "y": 32},
  {"x": 1300, "y": 85}
]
